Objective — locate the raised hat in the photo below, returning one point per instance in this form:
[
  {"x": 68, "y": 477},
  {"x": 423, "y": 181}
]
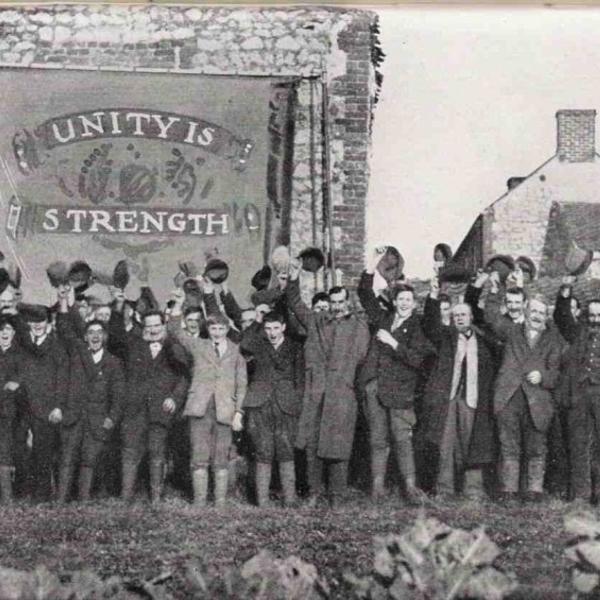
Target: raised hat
[
  {"x": 391, "y": 264},
  {"x": 527, "y": 266},
  {"x": 261, "y": 279},
  {"x": 502, "y": 263},
  {"x": 312, "y": 259},
  {"x": 216, "y": 270},
  {"x": 188, "y": 268},
  {"x": 120, "y": 277},
  {"x": 146, "y": 302},
  {"x": 444, "y": 249},
  {"x": 454, "y": 274},
  {"x": 58, "y": 273},
  {"x": 80, "y": 275},
  {"x": 577, "y": 260},
  {"x": 193, "y": 292}
]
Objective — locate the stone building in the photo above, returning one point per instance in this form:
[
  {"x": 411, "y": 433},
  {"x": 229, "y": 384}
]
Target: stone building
[
  {"x": 322, "y": 62},
  {"x": 540, "y": 215}
]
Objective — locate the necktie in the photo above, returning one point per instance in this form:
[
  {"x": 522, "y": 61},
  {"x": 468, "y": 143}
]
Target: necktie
[{"x": 217, "y": 350}]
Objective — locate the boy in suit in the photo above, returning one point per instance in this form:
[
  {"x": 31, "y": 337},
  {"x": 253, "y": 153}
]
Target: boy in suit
[{"x": 214, "y": 402}]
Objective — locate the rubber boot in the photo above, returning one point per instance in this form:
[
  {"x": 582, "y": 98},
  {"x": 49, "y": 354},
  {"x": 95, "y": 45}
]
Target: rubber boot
[
  {"x": 156, "y": 480},
  {"x": 287, "y": 475},
  {"x": 65, "y": 475},
  {"x": 128, "y": 480},
  {"x": 379, "y": 460},
  {"x": 200, "y": 485},
  {"x": 473, "y": 489},
  {"x": 221, "y": 479},
  {"x": 86, "y": 478},
  {"x": 263, "y": 481},
  {"x": 6, "y": 491}
]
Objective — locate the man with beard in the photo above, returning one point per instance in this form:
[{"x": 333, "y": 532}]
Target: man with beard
[
  {"x": 155, "y": 387},
  {"x": 336, "y": 344},
  {"x": 581, "y": 393},
  {"x": 273, "y": 403},
  {"x": 92, "y": 406},
  {"x": 396, "y": 354},
  {"x": 523, "y": 402},
  {"x": 458, "y": 398}
]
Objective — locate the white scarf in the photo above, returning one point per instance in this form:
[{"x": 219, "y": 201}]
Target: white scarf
[{"x": 466, "y": 347}]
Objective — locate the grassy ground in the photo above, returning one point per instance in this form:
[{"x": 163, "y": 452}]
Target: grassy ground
[{"x": 141, "y": 542}]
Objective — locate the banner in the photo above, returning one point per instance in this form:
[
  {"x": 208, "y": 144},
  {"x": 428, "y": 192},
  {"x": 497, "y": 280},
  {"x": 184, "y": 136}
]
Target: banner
[{"x": 151, "y": 167}]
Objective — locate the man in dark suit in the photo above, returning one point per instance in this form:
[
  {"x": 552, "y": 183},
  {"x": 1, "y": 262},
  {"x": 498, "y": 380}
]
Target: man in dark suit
[
  {"x": 390, "y": 374},
  {"x": 458, "y": 410},
  {"x": 92, "y": 405},
  {"x": 523, "y": 401},
  {"x": 580, "y": 392},
  {"x": 273, "y": 402},
  {"x": 155, "y": 387}
]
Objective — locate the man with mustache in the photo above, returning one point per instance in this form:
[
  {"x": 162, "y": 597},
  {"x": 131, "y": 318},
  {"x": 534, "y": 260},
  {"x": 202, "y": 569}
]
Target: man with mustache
[
  {"x": 523, "y": 402},
  {"x": 581, "y": 392}
]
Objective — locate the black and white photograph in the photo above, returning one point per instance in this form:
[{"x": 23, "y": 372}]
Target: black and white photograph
[{"x": 299, "y": 301}]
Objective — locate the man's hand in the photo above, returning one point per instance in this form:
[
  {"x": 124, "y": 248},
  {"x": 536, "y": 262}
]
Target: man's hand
[
  {"x": 118, "y": 295},
  {"x": 282, "y": 280},
  {"x": 169, "y": 406},
  {"x": 206, "y": 285},
  {"x": 294, "y": 269},
  {"x": 236, "y": 423},
  {"x": 386, "y": 337},
  {"x": 55, "y": 416},
  {"x": 108, "y": 424},
  {"x": 534, "y": 377},
  {"x": 481, "y": 278},
  {"x": 515, "y": 278},
  {"x": 373, "y": 259},
  {"x": 434, "y": 288},
  {"x": 11, "y": 386},
  {"x": 494, "y": 280}
]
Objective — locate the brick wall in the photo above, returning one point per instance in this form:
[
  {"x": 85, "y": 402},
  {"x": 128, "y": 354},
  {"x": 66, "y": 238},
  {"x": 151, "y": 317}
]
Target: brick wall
[
  {"x": 576, "y": 131},
  {"x": 297, "y": 42}
]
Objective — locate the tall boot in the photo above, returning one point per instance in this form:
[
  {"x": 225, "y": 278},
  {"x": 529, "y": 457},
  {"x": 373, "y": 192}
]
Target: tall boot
[
  {"x": 536, "y": 469},
  {"x": 473, "y": 488},
  {"x": 221, "y": 478},
  {"x": 379, "y": 460},
  {"x": 200, "y": 485},
  {"x": 509, "y": 479},
  {"x": 86, "y": 479},
  {"x": 65, "y": 476},
  {"x": 128, "y": 479},
  {"x": 156, "y": 480},
  {"x": 6, "y": 492},
  {"x": 287, "y": 475},
  {"x": 263, "y": 481},
  {"x": 406, "y": 463}
]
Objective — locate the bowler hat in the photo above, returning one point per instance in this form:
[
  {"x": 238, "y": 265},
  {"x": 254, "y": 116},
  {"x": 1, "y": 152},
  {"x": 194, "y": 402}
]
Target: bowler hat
[
  {"x": 34, "y": 313},
  {"x": 527, "y": 266},
  {"x": 312, "y": 259},
  {"x": 193, "y": 292},
  {"x": 269, "y": 296},
  {"x": 80, "y": 275},
  {"x": 146, "y": 302},
  {"x": 216, "y": 270},
  {"x": 502, "y": 264},
  {"x": 260, "y": 280},
  {"x": 577, "y": 260},
  {"x": 58, "y": 273}
]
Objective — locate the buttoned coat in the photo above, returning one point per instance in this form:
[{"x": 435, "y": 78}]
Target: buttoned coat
[
  {"x": 333, "y": 351},
  {"x": 396, "y": 369},
  {"x": 482, "y": 444},
  {"x": 519, "y": 359},
  {"x": 277, "y": 374},
  {"x": 95, "y": 390},
  {"x": 223, "y": 377}
]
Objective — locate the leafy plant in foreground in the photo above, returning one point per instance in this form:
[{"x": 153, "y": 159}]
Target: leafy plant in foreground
[
  {"x": 432, "y": 561},
  {"x": 584, "y": 551}
]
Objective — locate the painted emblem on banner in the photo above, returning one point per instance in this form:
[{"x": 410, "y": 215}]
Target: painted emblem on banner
[{"x": 130, "y": 172}]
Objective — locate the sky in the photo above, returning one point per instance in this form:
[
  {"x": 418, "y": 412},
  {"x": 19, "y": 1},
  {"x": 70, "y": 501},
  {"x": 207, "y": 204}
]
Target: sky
[{"x": 468, "y": 100}]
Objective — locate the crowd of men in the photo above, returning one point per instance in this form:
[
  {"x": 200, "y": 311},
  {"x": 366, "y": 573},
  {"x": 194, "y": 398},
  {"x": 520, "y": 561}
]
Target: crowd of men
[{"x": 104, "y": 398}]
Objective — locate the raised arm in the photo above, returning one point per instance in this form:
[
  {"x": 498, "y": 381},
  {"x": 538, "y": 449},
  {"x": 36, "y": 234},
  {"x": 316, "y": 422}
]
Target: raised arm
[
  {"x": 501, "y": 326},
  {"x": 232, "y": 308},
  {"x": 295, "y": 302},
  {"x": 563, "y": 317}
]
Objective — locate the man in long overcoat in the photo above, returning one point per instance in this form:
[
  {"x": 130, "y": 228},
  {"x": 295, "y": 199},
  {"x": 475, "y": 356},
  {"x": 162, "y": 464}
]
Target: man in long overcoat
[
  {"x": 458, "y": 402},
  {"x": 523, "y": 399},
  {"x": 336, "y": 344}
]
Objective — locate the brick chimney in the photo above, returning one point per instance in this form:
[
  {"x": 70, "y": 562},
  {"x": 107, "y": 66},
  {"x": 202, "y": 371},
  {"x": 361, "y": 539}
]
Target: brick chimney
[{"x": 575, "y": 135}]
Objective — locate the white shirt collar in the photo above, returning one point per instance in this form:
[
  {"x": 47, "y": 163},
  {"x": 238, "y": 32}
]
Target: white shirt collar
[{"x": 97, "y": 356}]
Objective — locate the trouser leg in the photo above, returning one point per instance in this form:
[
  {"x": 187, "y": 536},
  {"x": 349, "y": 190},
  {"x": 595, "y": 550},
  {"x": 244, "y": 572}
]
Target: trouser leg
[
  {"x": 134, "y": 432},
  {"x": 263, "y": 481},
  {"x": 287, "y": 476},
  {"x": 6, "y": 491},
  {"x": 510, "y": 432},
  {"x": 535, "y": 451},
  {"x": 44, "y": 450},
  {"x": 581, "y": 428},
  {"x": 338, "y": 479},
  {"x": 446, "y": 464},
  {"x": 200, "y": 485},
  {"x": 71, "y": 438},
  {"x": 402, "y": 422},
  {"x": 377, "y": 417},
  {"x": 157, "y": 448}
]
